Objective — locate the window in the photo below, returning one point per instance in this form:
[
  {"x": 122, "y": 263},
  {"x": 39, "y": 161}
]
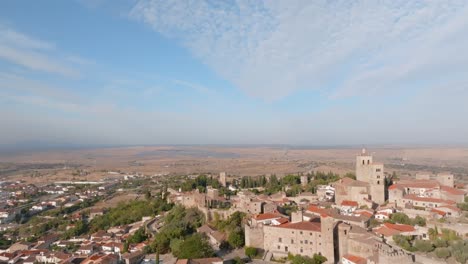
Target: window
[
  {"x": 368, "y": 162},
  {"x": 363, "y": 162},
  {"x": 300, "y": 241},
  {"x": 378, "y": 170},
  {"x": 320, "y": 235},
  {"x": 378, "y": 176},
  {"x": 300, "y": 232},
  {"x": 292, "y": 241},
  {"x": 305, "y": 241},
  {"x": 280, "y": 240},
  {"x": 286, "y": 249},
  {"x": 279, "y": 247},
  {"x": 310, "y": 233},
  {"x": 301, "y": 250},
  {"x": 346, "y": 232}
]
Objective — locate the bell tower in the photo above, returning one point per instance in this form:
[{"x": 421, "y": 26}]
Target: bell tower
[{"x": 363, "y": 166}]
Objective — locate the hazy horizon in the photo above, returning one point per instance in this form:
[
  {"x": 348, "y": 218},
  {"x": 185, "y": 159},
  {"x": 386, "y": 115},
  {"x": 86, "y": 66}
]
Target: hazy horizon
[{"x": 152, "y": 72}]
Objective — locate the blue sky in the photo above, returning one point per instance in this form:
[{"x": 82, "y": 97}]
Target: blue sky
[{"x": 233, "y": 72}]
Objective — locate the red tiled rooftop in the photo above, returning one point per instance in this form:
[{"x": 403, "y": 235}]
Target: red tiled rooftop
[
  {"x": 355, "y": 259},
  {"x": 267, "y": 216},
  {"x": 386, "y": 231},
  {"x": 304, "y": 225},
  {"x": 400, "y": 227},
  {"x": 451, "y": 207},
  {"x": 426, "y": 184},
  {"x": 282, "y": 220},
  {"x": 316, "y": 209},
  {"x": 442, "y": 213},
  {"x": 452, "y": 190},
  {"x": 349, "y": 203}
]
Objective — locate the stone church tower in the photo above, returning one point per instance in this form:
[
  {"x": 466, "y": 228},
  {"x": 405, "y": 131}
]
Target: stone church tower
[{"x": 372, "y": 173}]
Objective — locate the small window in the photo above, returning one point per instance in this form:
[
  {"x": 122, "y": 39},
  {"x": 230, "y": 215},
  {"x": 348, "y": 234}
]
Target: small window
[
  {"x": 280, "y": 240},
  {"x": 363, "y": 162},
  {"x": 300, "y": 241},
  {"x": 279, "y": 247},
  {"x": 305, "y": 241},
  {"x": 286, "y": 249},
  {"x": 301, "y": 250},
  {"x": 292, "y": 241},
  {"x": 300, "y": 232}
]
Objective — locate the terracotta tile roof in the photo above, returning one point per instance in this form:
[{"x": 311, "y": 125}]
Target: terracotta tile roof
[
  {"x": 365, "y": 213},
  {"x": 355, "y": 259},
  {"x": 400, "y": 227},
  {"x": 427, "y": 199},
  {"x": 282, "y": 220},
  {"x": 426, "y": 184},
  {"x": 395, "y": 186},
  {"x": 266, "y": 216},
  {"x": 384, "y": 231},
  {"x": 442, "y": 213},
  {"x": 451, "y": 207},
  {"x": 349, "y": 203},
  {"x": 351, "y": 182},
  {"x": 452, "y": 190},
  {"x": 316, "y": 209},
  {"x": 304, "y": 225}
]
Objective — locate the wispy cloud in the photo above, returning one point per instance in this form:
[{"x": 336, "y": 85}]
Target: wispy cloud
[
  {"x": 272, "y": 48},
  {"x": 34, "y": 54}
]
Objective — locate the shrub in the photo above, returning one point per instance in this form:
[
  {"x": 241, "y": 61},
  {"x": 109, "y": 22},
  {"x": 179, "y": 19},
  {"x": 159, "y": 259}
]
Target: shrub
[
  {"x": 250, "y": 252},
  {"x": 442, "y": 253},
  {"x": 423, "y": 246}
]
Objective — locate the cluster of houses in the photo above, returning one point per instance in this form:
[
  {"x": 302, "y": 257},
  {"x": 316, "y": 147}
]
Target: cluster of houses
[
  {"x": 100, "y": 247},
  {"x": 336, "y": 220}
]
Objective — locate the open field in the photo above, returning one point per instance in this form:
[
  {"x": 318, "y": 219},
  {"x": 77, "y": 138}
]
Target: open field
[{"x": 153, "y": 160}]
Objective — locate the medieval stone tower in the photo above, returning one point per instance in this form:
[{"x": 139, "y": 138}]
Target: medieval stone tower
[
  {"x": 222, "y": 178},
  {"x": 327, "y": 224},
  {"x": 372, "y": 173}
]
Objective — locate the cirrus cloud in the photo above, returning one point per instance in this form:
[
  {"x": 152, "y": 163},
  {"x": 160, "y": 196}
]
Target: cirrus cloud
[{"x": 270, "y": 49}]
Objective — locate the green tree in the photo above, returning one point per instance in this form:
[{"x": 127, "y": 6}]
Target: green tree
[
  {"x": 423, "y": 246},
  {"x": 433, "y": 233},
  {"x": 236, "y": 238},
  {"x": 138, "y": 236},
  {"x": 442, "y": 253},
  {"x": 195, "y": 246},
  {"x": 319, "y": 259}
]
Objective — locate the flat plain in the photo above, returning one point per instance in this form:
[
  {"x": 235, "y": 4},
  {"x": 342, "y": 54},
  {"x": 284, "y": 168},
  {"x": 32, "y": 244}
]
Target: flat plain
[{"x": 94, "y": 164}]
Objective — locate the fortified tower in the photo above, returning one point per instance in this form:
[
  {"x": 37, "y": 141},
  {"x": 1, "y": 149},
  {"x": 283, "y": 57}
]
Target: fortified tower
[
  {"x": 372, "y": 173},
  {"x": 327, "y": 224}
]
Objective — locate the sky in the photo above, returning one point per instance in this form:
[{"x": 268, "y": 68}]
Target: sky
[{"x": 146, "y": 72}]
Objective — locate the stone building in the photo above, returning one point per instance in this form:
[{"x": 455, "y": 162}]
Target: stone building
[
  {"x": 428, "y": 193},
  {"x": 372, "y": 173},
  {"x": 222, "y": 178}
]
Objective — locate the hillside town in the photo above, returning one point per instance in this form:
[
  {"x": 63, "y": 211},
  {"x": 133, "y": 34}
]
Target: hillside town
[{"x": 366, "y": 216}]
